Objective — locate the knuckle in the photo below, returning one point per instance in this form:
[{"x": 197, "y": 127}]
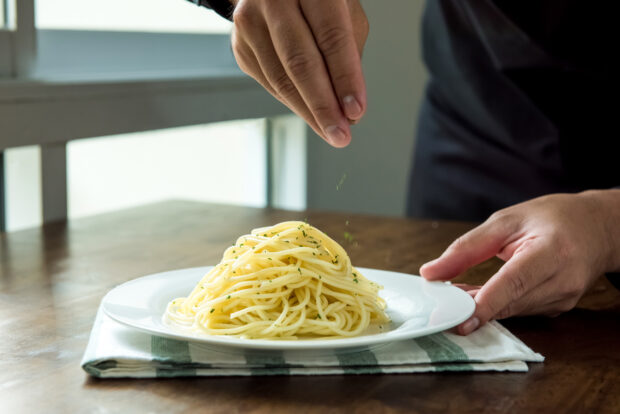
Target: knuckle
[
  {"x": 505, "y": 313},
  {"x": 243, "y": 16},
  {"x": 574, "y": 289},
  {"x": 321, "y": 111},
  {"x": 503, "y": 221},
  {"x": 459, "y": 244},
  {"x": 332, "y": 39},
  {"x": 487, "y": 307},
  {"x": 299, "y": 66},
  {"x": 284, "y": 86},
  {"x": 564, "y": 248},
  {"x": 517, "y": 286},
  {"x": 497, "y": 216},
  {"x": 344, "y": 78}
]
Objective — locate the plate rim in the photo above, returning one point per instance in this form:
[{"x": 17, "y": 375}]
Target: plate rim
[{"x": 300, "y": 345}]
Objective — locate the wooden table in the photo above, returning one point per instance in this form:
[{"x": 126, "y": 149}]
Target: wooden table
[{"x": 53, "y": 278}]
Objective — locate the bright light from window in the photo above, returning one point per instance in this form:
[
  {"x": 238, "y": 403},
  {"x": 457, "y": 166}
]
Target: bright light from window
[
  {"x": 23, "y": 187},
  {"x": 222, "y": 163},
  {"x": 179, "y": 16}
]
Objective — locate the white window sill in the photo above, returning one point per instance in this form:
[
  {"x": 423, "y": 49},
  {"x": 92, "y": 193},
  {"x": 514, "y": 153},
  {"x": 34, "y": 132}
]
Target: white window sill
[{"x": 103, "y": 89}]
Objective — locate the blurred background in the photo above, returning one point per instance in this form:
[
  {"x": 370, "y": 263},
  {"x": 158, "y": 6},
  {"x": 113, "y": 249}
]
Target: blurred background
[{"x": 114, "y": 104}]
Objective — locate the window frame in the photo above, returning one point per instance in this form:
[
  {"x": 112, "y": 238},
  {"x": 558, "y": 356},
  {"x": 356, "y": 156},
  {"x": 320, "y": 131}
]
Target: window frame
[
  {"x": 116, "y": 64},
  {"x": 130, "y": 98},
  {"x": 6, "y": 60},
  {"x": 206, "y": 86},
  {"x": 6, "y": 40}
]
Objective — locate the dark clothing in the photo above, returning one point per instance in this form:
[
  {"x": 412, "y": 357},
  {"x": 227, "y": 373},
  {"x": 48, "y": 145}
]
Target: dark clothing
[
  {"x": 519, "y": 104},
  {"x": 222, "y": 7}
]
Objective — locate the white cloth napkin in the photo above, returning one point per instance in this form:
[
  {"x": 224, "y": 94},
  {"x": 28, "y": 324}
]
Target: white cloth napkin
[{"x": 115, "y": 350}]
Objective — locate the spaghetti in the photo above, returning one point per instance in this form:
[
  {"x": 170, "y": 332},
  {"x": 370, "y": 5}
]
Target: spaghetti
[{"x": 288, "y": 281}]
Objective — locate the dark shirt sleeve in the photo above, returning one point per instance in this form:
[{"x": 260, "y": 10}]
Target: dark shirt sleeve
[
  {"x": 222, "y": 7},
  {"x": 614, "y": 279}
]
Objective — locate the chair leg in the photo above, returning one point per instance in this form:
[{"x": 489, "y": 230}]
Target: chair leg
[{"x": 54, "y": 182}]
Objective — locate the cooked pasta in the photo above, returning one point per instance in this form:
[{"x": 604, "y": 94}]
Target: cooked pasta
[{"x": 288, "y": 281}]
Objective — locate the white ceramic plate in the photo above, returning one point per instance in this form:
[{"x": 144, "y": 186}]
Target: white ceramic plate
[{"x": 417, "y": 308}]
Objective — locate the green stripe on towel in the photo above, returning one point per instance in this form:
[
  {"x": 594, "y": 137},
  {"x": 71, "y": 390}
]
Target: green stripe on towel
[
  {"x": 440, "y": 349},
  {"x": 363, "y": 362},
  {"x": 169, "y": 356},
  {"x": 267, "y": 363},
  {"x": 97, "y": 369}
]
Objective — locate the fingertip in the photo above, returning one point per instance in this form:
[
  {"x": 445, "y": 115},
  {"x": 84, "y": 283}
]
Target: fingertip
[
  {"x": 425, "y": 273},
  {"x": 469, "y": 326},
  {"x": 353, "y": 108},
  {"x": 431, "y": 270},
  {"x": 338, "y": 136}
]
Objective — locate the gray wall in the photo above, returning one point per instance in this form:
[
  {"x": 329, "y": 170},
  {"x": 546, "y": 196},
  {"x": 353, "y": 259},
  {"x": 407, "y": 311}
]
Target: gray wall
[{"x": 377, "y": 162}]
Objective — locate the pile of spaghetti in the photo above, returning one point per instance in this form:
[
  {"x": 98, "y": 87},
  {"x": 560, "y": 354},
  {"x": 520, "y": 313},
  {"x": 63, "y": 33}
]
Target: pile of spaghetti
[{"x": 288, "y": 281}]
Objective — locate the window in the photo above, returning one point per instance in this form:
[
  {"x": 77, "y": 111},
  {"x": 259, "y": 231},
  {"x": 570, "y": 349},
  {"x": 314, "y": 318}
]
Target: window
[
  {"x": 222, "y": 162},
  {"x": 179, "y": 16},
  {"x": 22, "y": 186},
  {"x": 93, "y": 68},
  {"x": 137, "y": 39}
]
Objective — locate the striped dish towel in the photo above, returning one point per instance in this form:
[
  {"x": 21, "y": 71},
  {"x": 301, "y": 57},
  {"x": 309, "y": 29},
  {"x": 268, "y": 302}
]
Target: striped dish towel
[{"x": 117, "y": 351}]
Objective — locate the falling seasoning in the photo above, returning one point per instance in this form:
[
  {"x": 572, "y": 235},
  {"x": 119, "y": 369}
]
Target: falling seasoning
[
  {"x": 348, "y": 237},
  {"x": 342, "y": 180}
]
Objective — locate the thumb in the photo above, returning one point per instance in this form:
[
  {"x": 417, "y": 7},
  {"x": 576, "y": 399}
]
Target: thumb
[{"x": 472, "y": 248}]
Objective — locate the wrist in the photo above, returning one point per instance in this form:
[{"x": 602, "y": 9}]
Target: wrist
[{"x": 607, "y": 204}]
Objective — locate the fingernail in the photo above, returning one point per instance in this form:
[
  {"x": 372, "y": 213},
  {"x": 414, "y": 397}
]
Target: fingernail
[
  {"x": 470, "y": 325},
  {"x": 336, "y": 135},
  {"x": 352, "y": 108}
]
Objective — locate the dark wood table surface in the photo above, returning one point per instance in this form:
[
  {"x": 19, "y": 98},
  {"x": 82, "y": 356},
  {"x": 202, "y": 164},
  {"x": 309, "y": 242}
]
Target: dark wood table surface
[{"x": 53, "y": 278}]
